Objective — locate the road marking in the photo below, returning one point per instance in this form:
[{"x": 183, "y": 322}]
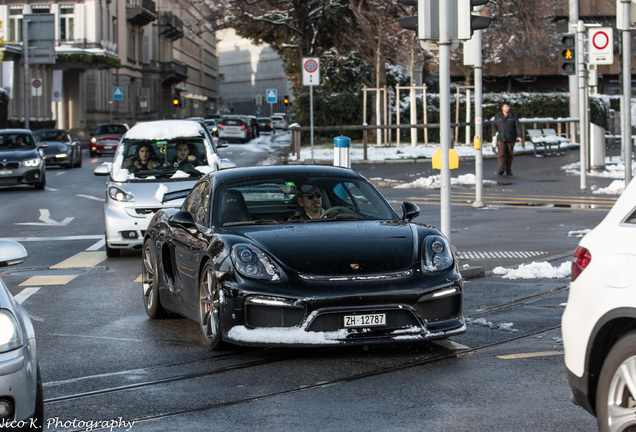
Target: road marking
[
  {"x": 90, "y": 197},
  {"x": 530, "y": 355},
  {"x": 449, "y": 344},
  {"x": 49, "y": 280},
  {"x": 139, "y": 279},
  {"x": 60, "y": 238},
  {"x": 499, "y": 254},
  {"x": 25, "y": 294},
  {"x": 97, "y": 246},
  {"x": 45, "y": 218},
  {"x": 81, "y": 259}
]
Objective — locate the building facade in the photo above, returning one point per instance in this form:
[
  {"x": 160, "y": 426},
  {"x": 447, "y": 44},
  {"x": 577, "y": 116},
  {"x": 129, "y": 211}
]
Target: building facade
[{"x": 114, "y": 61}]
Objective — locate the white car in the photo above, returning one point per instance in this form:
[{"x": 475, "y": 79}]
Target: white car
[
  {"x": 234, "y": 128},
  {"x": 145, "y": 168},
  {"x": 21, "y": 398},
  {"x": 599, "y": 321},
  {"x": 279, "y": 122}
]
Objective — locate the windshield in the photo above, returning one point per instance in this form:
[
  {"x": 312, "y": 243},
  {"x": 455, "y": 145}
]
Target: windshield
[
  {"x": 294, "y": 200},
  {"x": 16, "y": 141},
  {"x": 111, "y": 129},
  {"x": 150, "y": 159},
  {"x": 51, "y": 135}
]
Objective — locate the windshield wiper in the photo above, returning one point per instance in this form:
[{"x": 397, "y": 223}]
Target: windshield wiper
[{"x": 253, "y": 222}]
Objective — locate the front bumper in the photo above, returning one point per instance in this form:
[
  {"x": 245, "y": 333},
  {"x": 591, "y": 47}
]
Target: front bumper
[
  {"x": 29, "y": 176},
  {"x": 18, "y": 381},
  {"x": 125, "y": 225},
  {"x": 411, "y": 312}
]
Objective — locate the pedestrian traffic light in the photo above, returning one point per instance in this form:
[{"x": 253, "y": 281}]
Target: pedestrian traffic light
[
  {"x": 568, "y": 42},
  {"x": 286, "y": 100},
  {"x": 467, "y": 23}
]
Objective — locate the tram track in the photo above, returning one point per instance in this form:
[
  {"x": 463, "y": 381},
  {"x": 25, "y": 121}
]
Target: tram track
[{"x": 299, "y": 354}]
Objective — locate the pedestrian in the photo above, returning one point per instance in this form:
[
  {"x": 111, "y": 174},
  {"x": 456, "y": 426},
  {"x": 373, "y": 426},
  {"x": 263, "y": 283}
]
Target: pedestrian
[{"x": 508, "y": 128}]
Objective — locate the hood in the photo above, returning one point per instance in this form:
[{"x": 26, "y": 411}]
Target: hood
[
  {"x": 18, "y": 155},
  {"x": 54, "y": 146},
  {"x": 341, "y": 247},
  {"x": 149, "y": 194}
]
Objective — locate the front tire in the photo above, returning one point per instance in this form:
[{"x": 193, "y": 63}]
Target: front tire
[
  {"x": 149, "y": 282},
  {"x": 615, "y": 394},
  {"x": 209, "y": 307},
  {"x": 42, "y": 184},
  {"x": 38, "y": 417}
]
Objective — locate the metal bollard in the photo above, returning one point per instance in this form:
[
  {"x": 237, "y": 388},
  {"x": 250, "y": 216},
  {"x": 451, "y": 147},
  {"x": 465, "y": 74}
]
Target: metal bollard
[{"x": 342, "y": 145}]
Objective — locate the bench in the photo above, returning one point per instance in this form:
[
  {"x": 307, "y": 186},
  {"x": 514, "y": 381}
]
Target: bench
[{"x": 542, "y": 140}]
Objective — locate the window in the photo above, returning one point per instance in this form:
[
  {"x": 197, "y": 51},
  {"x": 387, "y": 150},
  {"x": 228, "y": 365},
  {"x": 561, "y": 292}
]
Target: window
[
  {"x": 66, "y": 23},
  {"x": 15, "y": 24},
  {"x": 198, "y": 203}
]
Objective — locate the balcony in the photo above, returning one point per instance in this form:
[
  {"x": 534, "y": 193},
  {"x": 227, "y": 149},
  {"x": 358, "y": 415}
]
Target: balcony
[
  {"x": 173, "y": 72},
  {"x": 170, "y": 26},
  {"x": 140, "y": 12}
]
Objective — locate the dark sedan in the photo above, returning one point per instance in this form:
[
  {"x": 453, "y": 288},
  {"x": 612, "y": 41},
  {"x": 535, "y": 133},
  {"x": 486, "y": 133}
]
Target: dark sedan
[
  {"x": 20, "y": 160},
  {"x": 243, "y": 259},
  {"x": 60, "y": 148}
]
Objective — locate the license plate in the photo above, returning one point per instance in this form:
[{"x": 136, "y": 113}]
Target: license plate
[
  {"x": 6, "y": 172},
  {"x": 109, "y": 147},
  {"x": 367, "y": 320}
]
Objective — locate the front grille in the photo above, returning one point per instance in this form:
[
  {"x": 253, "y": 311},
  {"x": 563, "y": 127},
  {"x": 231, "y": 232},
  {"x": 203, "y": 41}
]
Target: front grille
[
  {"x": 10, "y": 165},
  {"x": 258, "y": 315},
  {"x": 146, "y": 211},
  {"x": 10, "y": 180},
  {"x": 441, "y": 308}
]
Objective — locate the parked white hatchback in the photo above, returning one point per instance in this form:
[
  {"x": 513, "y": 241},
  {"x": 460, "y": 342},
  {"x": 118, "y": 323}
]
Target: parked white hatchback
[
  {"x": 153, "y": 159},
  {"x": 599, "y": 322}
]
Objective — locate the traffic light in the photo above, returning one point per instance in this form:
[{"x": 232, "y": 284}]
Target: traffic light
[
  {"x": 426, "y": 21},
  {"x": 467, "y": 23},
  {"x": 176, "y": 101},
  {"x": 286, "y": 100},
  {"x": 568, "y": 41}
]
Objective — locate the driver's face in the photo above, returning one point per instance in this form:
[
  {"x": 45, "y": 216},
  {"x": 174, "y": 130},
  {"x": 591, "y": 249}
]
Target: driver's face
[
  {"x": 311, "y": 201},
  {"x": 182, "y": 151}
]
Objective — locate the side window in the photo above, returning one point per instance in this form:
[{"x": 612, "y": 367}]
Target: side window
[{"x": 198, "y": 203}]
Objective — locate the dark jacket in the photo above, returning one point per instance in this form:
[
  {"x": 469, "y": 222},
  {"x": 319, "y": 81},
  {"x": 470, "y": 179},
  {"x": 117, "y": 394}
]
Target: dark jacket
[{"x": 508, "y": 127}]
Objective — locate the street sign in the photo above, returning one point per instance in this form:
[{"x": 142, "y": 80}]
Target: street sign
[
  {"x": 118, "y": 93},
  {"x": 311, "y": 71},
  {"x": 271, "y": 96},
  {"x": 36, "y": 87},
  {"x": 600, "y": 46}
]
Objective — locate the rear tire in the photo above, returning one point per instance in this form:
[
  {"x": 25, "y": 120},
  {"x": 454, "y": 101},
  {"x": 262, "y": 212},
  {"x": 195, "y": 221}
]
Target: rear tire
[{"x": 615, "y": 403}]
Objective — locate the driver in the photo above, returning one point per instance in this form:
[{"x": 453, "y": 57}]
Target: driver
[
  {"x": 183, "y": 156},
  {"x": 309, "y": 205}
]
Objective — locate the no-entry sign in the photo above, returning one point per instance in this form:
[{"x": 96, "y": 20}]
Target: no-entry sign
[{"x": 600, "y": 46}]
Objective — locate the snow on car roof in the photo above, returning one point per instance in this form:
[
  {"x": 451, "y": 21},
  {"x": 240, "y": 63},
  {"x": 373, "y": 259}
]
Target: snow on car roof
[{"x": 164, "y": 129}]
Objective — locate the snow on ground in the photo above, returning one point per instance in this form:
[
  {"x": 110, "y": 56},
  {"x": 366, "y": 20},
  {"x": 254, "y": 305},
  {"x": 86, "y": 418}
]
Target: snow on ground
[
  {"x": 614, "y": 168},
  {"x": 535, "y": 270}
]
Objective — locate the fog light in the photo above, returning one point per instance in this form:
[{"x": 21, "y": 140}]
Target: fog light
[
  {"x": 129, "y": 234},
  {"x": 6, "y": 409}
]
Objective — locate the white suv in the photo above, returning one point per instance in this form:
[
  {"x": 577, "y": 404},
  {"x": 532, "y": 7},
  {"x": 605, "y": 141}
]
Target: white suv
[{"x": 599, "y": 322}]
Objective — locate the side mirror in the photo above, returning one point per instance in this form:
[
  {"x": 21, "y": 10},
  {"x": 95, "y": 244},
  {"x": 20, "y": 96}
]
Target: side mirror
[
  {"x": 221, "y": 143},
  {"x": 226, "y": 163},
  {"x": 183, "y": 219},
  {"x": 104, "y": 169},
  {"x": 409, "y": 211},
  {"x": 11, "y": 253}
]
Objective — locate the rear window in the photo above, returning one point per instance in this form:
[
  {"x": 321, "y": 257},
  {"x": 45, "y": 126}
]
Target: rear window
[{"x": 233, "y": 122}]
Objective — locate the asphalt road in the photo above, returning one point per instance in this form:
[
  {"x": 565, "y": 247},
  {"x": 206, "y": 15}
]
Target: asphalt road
[{"x": 103, "y": 360}]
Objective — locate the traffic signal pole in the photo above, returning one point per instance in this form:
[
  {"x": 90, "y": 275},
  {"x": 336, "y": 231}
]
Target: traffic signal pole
[
  {"x": 626, "y": 109},
  {"x": 479, "y": 127},
  {"x": 582, "y": 79},
  {"x": 444, "y": 115}
]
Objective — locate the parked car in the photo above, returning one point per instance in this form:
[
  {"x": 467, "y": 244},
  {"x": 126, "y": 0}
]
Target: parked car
[
  {"x": 232, "y": 260},
  {"x": 279, "y": 122},
  {"x": 265, "y": 124},
  {"x": 136, "y": 184},
  {"x": 60, "y": 148},
  {"x": 234, "y": 129},
  {"x": 20, "y": 159},
  {"x": 21, "y": 397},
  {"x": 599, "y": 321},
  {"x": 106, "y": 138}
]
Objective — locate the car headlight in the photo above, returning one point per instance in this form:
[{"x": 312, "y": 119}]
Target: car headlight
[
  {"x": 118, "y": 194},
  {"x": 250, "y": 262},
  {"x": 31, "y": 162},
  {"x": 436, "y": 254},
  {"x": 93, "y": 140},
  {"x": 10, "y": 336}
]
